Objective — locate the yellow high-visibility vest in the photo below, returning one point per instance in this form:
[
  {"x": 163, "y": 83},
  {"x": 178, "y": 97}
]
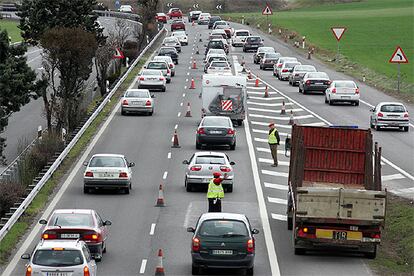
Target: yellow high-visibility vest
[
  {"x": 215, "y": 191},
  {"x": 272, "y": 137}
]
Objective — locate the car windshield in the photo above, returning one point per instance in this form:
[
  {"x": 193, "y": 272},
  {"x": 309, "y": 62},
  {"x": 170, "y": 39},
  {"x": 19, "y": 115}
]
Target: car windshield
[
  {"x": 242, "y": 33},
  {"x": 318, "y": 75},
  {"x": 392, "y": 108},
  {"x": 290, "y": 65},
  {"x": 219, "y": 160},
  {"x": 157, "y": 65},
  {"x": 216, "y": 121},
  {"x": 217, "y": 58},
  {"x": 137, "y": 94},
  {"x": 305, "y": 68},
  {"x": 223, "y": 228},
  {"x": 71, "y": 220},
  {"x": 57, "y": 258},
  {"x": 254, "y": 39},
  {"x": 272, "y": 55},
  {"x": 215, "y": 44},
  {"x": 107, "y": 161},
  {"x": 169, "y": 40},
  {"x": 163, "y": 58},
  {"x": 215, "y": 18},
  {"x": 345, "y": 84}
]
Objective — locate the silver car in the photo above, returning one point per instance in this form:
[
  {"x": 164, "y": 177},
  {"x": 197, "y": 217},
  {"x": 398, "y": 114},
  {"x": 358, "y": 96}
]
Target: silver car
[
  {"x": 390, "y": 114},
  {"x": 137, "y": 100},
  {"x": 172, "y": 41},
  {"x": 182, "y": 36},
  {"x": 203, "y": 164},
  {"x": 152, "y": 79},
  {"x": 160, "y": 65},
  {"x": 278, "y": 65},
  {"x": 260, "y": 53},
  {"x": 268, "y": 60},
  {"x": 60, "y": 257},
  {"x": 107, "y": 171},
  {"x": 298, "y": 72},
  {"x": 286, "y": 68},
  {"x": 167, "y": 59}
]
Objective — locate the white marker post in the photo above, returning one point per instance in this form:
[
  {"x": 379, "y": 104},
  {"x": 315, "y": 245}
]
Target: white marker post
[
  {"x": 398, "y": 57},
  {"x": 338, "y": 32}
]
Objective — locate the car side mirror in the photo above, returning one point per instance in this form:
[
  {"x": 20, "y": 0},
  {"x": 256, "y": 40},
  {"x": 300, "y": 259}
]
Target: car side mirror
[
  {"x": 232, "y": 163},
  {"x": 107, "y": 222},
  {"x": 145, "y": 67},
  {"x": 25, "y": 256},
  {"x": 255, "y": 231},
  {"x": 43, "y": 221},
  {"x": 190, "y": 229},
  {"x": 153, "y": 96},
  {"x": 85, "y": 163},
  {"x": 185, "y": 162},
  {"x": 131, "y": 164}
]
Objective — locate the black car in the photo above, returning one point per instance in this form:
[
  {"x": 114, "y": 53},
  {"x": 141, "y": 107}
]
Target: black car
[
  {"x": 215, "y": 44},
  {"x": 257, "y": 57},
  {"x": 223, "y": 240},
  {"x": 252, "y": 43},
  {"x": 213, "y": 20},
  {"x": 314, "y": 81},
  {"x": 216, "y": 130},
  {"x": 193, "y": 16},
  {"x": 169, "y": 51}
]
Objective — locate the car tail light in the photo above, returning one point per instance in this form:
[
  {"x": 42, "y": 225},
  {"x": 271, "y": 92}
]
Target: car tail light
[
  {"x": 201, "y": 131},
  {"x": 148, "y": 103},
  {"x": 195, "y": 245},
  {"x": 195, "y": 168},
  {"x": 279, "y": 65},
  {"x": 406, "y": 115},
  {"x": 124, "y": 102},
  {"x": 123, "y": 175},
  {"x": 168, "y": 70},
  {"x": 333, "y": 90},
  {"x": 92, "y": 237},
  {"x": 89, "y": 174},
  {"x": 161, "y": 78},
  {"x": 49, "y": 236},
  {"x": 380, "y": 115},
  {"x": 308, "y": 82},
  {"x": 141, "y": 78},
  {"x": 231, "y": 131},
  {"x": 225, "y": 169},
  {"x": 328, "y": 82},
  {"x": 29, "y": 270},
  {"x": 285, "y": 70},
  {"x": 171, "y": 65},
  {"x": 376, "y": 235},
  {"x": 306, "y": 232},
  {"x": 356, "y": 90},
  {"x": 86, "y": 271},
  {"x": 250, "y": 246}
]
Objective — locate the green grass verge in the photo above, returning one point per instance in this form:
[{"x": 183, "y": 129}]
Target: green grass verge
[
  {"x": 396, "y": 253},
  {"x": 12, "y": 30},
  {"x": 375, "y": 28},
  {"x": 41, "y": 199}
]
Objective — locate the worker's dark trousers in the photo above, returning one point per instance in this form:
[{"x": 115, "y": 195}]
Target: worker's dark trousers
[{"x": 214, "y": 207}]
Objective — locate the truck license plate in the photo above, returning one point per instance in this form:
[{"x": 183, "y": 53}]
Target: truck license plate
[{"x": 339, "y": 235}]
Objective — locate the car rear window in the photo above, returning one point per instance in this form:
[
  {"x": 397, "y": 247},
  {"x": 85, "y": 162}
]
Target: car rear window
[
  {"x": 242, "y": 34},
  {"x": 253, "y": 39},
  {"x": 215, "y": 44},
  {"x": 136, "y": 94},
  {"x": 157, "y": 65},
  {"x": 209, "y": 121},
  {"x": 57, "y": 258},
  {"x": 305, "y": 68},
  {"x": 219, "y": 160},
  {"x": 271, "y": 55},
  {"x": 167, "y": 50},
  {"x": 170, "y": 39},
  {"x": 219, "y": 64},
  {"x": 223, "y": 228},
  {"x": 151, "y": 73},
  {"x": 318, "y": 75},
  {"x": 69, "y": 219},
  {"x": 216, "y": 58},
  {"x": 392, "y": 108},
  {"x": 345, "y": 84},
  {"x": 290, "y": 65},
  {"x": 107, "y": 161}
]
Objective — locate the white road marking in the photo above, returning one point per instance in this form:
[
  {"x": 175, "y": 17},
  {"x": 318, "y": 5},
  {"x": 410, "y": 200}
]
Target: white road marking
[
  {"x": 403, "y": 191},
  {"x": 189, "y": 67},
  {"x": 262, "y": 140},
  {"x": 255, "y": 88},
  {"x": 181, "y": 104},
  {"x": 188, "y": 73},
  {"x": 392, "y": 177},
  {"x": 273, "y": 173},
  {"x": 277, "y": 200},
  {"x": 270, "y": 161},
  {"x": 268, "y": 104},
  {"x": 34, "y": 51},
  {"x": 285, "y": 118},
  {"x": 185, "y": 87},
  {"x": 169, "y": 155},
  {"x": 186, "y": 80},
  {"x": 179, "y": 114},
  {"x": 143, "y": 265},
  {"x": 267, "y": 124},
  {"x": 266, "y": 99},
  {"x": 270, "y": 244},
  {"x": 276, "y": 186},
  {"x": 273, "y": 110},
  {"x": 152, "y": 230},
  {"x": 267, "y": 132},
  {"x": 279, "y": 217},
  {"x": 260, "y": 93},
  {"x": 187, "y": 215},
  {"x": 165, "y": 175},
  {"x": 176, "y": 126},
  {"x": 315, "y": 124},
  {"x": 183, "y": 94}
]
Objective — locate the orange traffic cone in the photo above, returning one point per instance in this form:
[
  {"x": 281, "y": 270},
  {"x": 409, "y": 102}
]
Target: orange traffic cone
[
  {"x": 194, "y": 64},
  {"x": 283, "y": 110},
  {"x": 159, "y": 270},
  {"x": 291, "y": 120},
  {"x": 192, "y": 86},
  {"x": 188, "y": 114},
  {"x": 266, "y": 93},
  {"x": 256, "y": 84},
  {"x": 160, "y": 199},
  {"x": 175, "y": 140}
]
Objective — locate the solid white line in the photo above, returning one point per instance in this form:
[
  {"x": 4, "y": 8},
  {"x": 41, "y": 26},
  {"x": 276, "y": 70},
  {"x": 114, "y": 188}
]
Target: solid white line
[
  {"x": 270, "y": 161},
  {"x": 176, "y": 126},
  {"x": 266, "y": 99},
  {"x": 184, "y": 94},
  {"x": 165, "y": 175},
  {"x": 273, "y": 110},
  {"x": 179, "y": 114},
  {"x": 397, "y": 168},
  {"x": 277, "y": 200},
  {"x": 286, "y": 118},
  {"x": 403, "y": 191},
  {"x": 279, "y": 217},
  {"x": 273, "y": 173},
  {"x": 268, "y": 104},
  {"x": 152, "y": 230},
  {"x": 267, "y": 124},
  {"x": 169, "y": 155},
  {"x": 270, "y": 244},
  {"x": 143, "y": 265},
  {"x": 255, "y": 88},
  {"x": 392, "y": 177},
  {"x": 276, "y": 186},
  {"x": 267, "y": 132}
]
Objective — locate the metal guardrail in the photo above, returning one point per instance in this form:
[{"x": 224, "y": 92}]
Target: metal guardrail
[
  {"x": 130, "y": 16},
  {"x": 23, "y": 206}
]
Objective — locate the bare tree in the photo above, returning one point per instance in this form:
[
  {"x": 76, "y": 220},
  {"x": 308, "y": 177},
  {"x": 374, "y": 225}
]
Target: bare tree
[
  {"x": 148, "y": 9},
  {"x": 120, "y": 33},
  {"x": 103, "y": 57}
]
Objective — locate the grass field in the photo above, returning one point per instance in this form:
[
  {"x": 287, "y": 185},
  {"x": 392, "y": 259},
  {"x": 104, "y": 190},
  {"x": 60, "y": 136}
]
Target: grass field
[
  {"x": 11, "y": 27},
  {"x": 374, "y": 29}
]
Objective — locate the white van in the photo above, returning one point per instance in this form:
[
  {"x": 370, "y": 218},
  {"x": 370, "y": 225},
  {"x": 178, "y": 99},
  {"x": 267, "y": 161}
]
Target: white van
[{"x": 239, "y": 37}]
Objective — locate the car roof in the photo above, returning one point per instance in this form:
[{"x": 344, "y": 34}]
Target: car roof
[
  {"x": 137, "y": 90},
  {"x": 73, "y": 211},
  {"x": 242, "y": 30},
  {"x": 232, "y": 216},
  {"x": 394, "y": 103},
  {"x": 216, "y": 117},
  {"x": 110, "y": 154},
  {"x": 167, "y": 47},
  {"x": 67, "y": 244},
  {"x": 160, "y": 13},
  {"x": 209, "y": 153}
]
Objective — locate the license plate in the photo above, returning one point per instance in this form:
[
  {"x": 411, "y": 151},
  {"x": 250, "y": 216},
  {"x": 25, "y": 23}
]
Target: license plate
[
  {"x": 69, "y": 236},
  {"x": 345, "y": 97},
  {"x": 338, "y": 235},
  {"x": 318, "y": 83},
  {"x": 215, "y": 132},
  {"x": 137, "y": 102},
  {"x": 222, "y": 252},
  {"x": 107, "y": 175},
  {"x": 57, "y": 274}
]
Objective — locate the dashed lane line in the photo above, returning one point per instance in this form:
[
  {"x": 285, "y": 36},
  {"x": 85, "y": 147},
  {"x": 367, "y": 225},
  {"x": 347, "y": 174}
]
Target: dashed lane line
[
  {"x": 273, "y": 173},
  {"x": 275, "y": 186},
  {"x": 152, "y": 230},
  {"x": 169, "y": 155},
  {"x": 143, "y": 266},
  {"x": 277, "y": 200},
  {"x": 279, "y": 217}
]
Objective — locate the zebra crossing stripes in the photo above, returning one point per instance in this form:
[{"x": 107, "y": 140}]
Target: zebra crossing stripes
[
  {"x": 286, "y": 118},
  {"x": 267, "y": 124},
  {"x": 268, "y": 150},
  {"x": 273, "y": 173},
  {"x": 266, "y": 99},
  {"x": 392, "y": 177},
  {"x": 270, "y": 161},
  {"x": 279, "y": 217},
  {"x": 268, "y": 104},
  {"x": 277, "y": 200},
  {"x": 267, "y": 132},
  {"x": 273, "y": 110},
  {"x": 275, "y": 186}
]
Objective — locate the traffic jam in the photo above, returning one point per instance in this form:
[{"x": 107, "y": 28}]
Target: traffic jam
[{"x": 74, "y": 241}]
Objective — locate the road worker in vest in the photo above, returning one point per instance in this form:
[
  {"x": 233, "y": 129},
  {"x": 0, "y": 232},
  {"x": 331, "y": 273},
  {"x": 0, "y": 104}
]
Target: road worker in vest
[
  {"x": 273, "y": 141},
  {"x": 215, "y": 193}
]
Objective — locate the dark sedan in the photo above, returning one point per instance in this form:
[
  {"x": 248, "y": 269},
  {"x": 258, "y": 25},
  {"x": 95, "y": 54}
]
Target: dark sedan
[
  {"x": 216, "y": 130},
  {"x": 252, "y": 43},
  {"x": 213, "y": 20},
  {"x": 223, "y": 240},
  {"x": 314, "y": 81},
  {"x": 169, "y": 51}
]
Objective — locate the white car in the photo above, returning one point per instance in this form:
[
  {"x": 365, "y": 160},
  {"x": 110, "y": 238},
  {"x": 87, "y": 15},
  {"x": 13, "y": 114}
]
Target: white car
[
  {"x": 342, "y": 91},
  {"x": 172, "y": 41},
  {"x": 152, "y": 80},
  {"x": 214, "y": 57},
  {"x": 182, "y": 37},
  {"x": 160, "y": 65},
  {"x": 390, "y": 114},
  {"x": 286, "y": 69},
  {"x": 204, "y": 18},
  {"x": 239, "y": 37},
  {"x": 55, "y": 257},
  {"x": 278, "y": 65},
  {"x": 219, "y": 68},
  {"x": 137, "y": 100},
  {"x": 214, "y": 52},
  {"x": 220, "y": 32},
  {"x": 107, "y": 171},
  {"x": 167, "y": 59},
  {"x": 126, "y": 8}
]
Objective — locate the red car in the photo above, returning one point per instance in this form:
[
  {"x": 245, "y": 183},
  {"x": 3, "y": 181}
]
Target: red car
[
  {"x": 161, "y": 17},
  {"x": 177, "y": 25},
  {"x": 175, "y": 12},
  {"x": 82, "y": 224}
]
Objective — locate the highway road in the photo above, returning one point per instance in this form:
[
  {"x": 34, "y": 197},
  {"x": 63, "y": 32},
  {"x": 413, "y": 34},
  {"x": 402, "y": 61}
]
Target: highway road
[{"x": 139, "y": 228}]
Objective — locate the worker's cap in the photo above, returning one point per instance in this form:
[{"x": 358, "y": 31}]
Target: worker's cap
[
  {"x": 271, "y": 124},
  {"x": 216, "y": 174}
]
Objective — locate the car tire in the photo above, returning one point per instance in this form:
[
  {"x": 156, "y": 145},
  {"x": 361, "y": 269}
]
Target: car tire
[
  {"x": 86, "y": 190},
  {"x": 104, "y": 248},
  {"x": 289, "y": 223},
  {"x": 303, "y": 91},
  {"x": 240, "y": 122},
  {"x": 290, "y": 83},
  {"x": 188, "y": 187},
  {"x": 250, "y": 271},
  {"x": 150, "y": 113},
  {"x": 126, "y": 190},
  {"x": 330, "y": 102},
  {"x": 168, "y": 80},
  {"x": 300, "y": 251},
  {"x": 98, "y": 259},
  {"x": 195, "y": 270},
  {"x": 274, "y": 74},
  {"x": 356, "y": 103},
  {"x": 406, "y": 128},
  {"x": 163, "y": 89},
  {"x": 229, "y": 189},
  {"x": 326, "y": 99},
  {"x": 198, "y": 146},
  {"x": 371, "y": 125},
  {"x": 377, "y": 128},
  {"x": 233, "y": 147},
  {"x": 173, "y": 74},
  {"x": 123, "y": 113}
]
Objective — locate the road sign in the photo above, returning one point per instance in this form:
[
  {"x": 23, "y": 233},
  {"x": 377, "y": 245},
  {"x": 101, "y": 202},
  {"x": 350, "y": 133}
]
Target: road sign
[
  {"x": 398, "y": 56},
  {"x": 219, "y": 7},
  {"x": 226, "y": 105},
  {"x": 118, "y": 53},
  {"x": 117, "y": 4},
  {"x": 195, "y": 6},
  {"x": 169, "y": 5},
  {"x": 267, "y": 10},
  {"x": 338, "y": 32}
]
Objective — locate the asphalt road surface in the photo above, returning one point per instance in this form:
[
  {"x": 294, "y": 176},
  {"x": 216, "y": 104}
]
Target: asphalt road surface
[{"x": 259, "y": 191}]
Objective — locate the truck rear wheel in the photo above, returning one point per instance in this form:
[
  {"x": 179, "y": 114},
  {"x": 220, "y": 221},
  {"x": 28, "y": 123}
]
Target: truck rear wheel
[
  {"x": 240, "y": 122},
  {"x": 371, "y": 254}
]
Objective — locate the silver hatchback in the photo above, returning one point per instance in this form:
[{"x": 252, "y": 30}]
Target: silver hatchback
[
  {"x": 390, "y": 114},
  {"x": 203, "y": 164}
]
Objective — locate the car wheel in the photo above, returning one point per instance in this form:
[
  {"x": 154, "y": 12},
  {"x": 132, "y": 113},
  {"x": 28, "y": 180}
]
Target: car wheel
[
  {"x": 300, "y": 251},
  {"x": 377, "y": 127},
  {"x": 356, "y": 103},
  {"x": 290, "y": 83},
  {"x": 233, "y": 147},
  {"x": 274, "y": 74},
  {"x": 195, "y": 270},
  {"x": 198, "y": 146},
  {"x": 126, "y": 191},
  {"x": 104, "y": 248},
  {"x": 300, "y": 90},
  {"x": 123, "y": 113},
  {"x": 371, "y": 125},
  {"x": 326, "y": 99},
  {"x": 303, "y": 91},
  {"x": 406, "y": 128},
  {"x": 172, "y": 74},
  {"x": 240, "y": 122},
  {"x": 289, "y": 223},
  {"x": 98, "y": 259},
  {"x": 151, "y": 112},
  {"x": 163, "y": 89},
  {"x": 168, "y": 80},
  {"x": 85, "y": 190},
  {"x": 188, "y": 187},
  {"x": 250, "y": 271},
  {"x": 330, "y": 102},
  {"x": 371, "y": 254}
]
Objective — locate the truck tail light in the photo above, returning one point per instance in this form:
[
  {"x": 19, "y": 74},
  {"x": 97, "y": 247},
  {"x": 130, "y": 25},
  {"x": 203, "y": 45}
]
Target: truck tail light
[
  {"x": 125, "y": 102},
  {"x": 148, "y": 103},
  {"x": 225, "y": 169},
  {"x": 49, "y": 235},
  {"x": 195, "y": 168},
  {"x": 380, "y": 115},
  {"x": 250, "y": 246},
  {"x": 333, "y": 90},
  {"x": 195, "y": 246},
  {"x": 86, "y": 271},
  {"x": 306, "y": 232},
  {"x": 201, "y": 131},
  {"x": 89, "y": 174},
  {"x": 29, "y": 270},
  {"x": 123, "y": 175},
  {"x": 141, "y": 78},
  {"x": 356, "y": 90}
]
